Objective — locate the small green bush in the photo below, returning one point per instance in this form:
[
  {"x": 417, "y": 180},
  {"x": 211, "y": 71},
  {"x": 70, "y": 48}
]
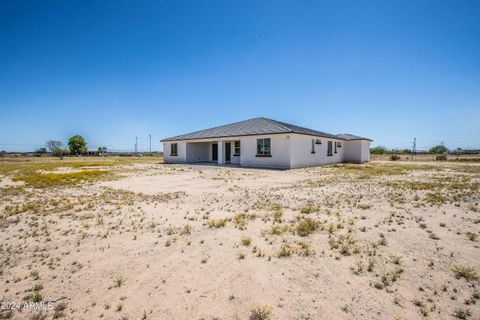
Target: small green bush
[{"x": 394, "y": 157}]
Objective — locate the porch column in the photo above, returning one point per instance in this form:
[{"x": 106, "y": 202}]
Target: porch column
[{"x": 221, "y": 158}]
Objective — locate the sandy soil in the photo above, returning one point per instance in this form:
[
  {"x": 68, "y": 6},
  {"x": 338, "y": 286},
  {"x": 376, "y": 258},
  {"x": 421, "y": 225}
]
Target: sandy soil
[{"x": 206, "y": 242}]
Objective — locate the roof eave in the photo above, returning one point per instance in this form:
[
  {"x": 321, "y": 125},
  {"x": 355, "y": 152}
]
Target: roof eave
[{"x": 256, "y": 134}]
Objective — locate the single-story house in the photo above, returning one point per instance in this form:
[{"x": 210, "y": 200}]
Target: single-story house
[{"x": 262, "y": 142}]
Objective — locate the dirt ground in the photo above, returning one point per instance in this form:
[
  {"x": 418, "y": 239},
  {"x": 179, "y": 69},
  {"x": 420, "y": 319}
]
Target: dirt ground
[{"x": 384, "y": 240}]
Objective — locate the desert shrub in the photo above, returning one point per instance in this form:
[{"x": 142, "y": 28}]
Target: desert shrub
[
  {"x": 261, "y": 313},
  {"x": 277, "y": 213},
  {"x": 118, "y": 280},
  {"x": 309, "y": 208},
  {"x": 276, "y": 230},
  {"x": 220, "y": 223},
  {"x": 468, "y": 273},
  {"x": 345, "y": 244},
  {"x": 471, "y": 235},
  {"x": 394, "y": 157},
  {"x": 435, "y": 197},
  {"x": 305, "y": 249},
  {"x": 306, "y": 226},
  {"x": 246, "y": 241},
  {"x": 441, "y": 157},
  {"x": 462, "y": 313},
  {"x": 241, "y": 219},
  {"x": 286, "y": 251}
]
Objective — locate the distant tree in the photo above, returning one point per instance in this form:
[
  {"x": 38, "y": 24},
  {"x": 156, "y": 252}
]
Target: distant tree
[
  {"x": 77, "y": 145},
  {"x": 438, "y": 149},
  {"x": 60, "y": 152},
  {"x": 102, "y": 150},
  {"x": 378, "y": 150},
  {"x": 40, "y": 150},
  {"x": 53, "y": 144}
]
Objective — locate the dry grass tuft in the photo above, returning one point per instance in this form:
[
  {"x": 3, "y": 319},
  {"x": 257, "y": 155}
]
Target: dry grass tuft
[
  {"x": 261, "y": 313},
  {"x": 45, "y": 180}
]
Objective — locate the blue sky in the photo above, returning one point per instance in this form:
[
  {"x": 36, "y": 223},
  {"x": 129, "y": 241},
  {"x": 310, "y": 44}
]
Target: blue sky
[{"x": 113, "y": 70}]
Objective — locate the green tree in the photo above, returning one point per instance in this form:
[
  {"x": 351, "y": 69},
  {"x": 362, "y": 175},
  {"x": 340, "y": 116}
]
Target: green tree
[
  {"x": 378, "y": 150},
  {"x": 102, "y": 151},
  {"x": 41, "y": 150},
  {"x": 60, "y": 152},
  {"x": 438, "y": 149},
  {"x": 77, "y": 145}
]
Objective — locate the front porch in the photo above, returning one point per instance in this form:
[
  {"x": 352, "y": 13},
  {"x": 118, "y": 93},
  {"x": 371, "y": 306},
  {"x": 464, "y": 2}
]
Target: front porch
[{"x": 220, "y": 152}]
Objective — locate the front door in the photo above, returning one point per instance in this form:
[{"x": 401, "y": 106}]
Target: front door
[
  {"x": 215, "y": 152},
  {"x": 228, "y": 151}
]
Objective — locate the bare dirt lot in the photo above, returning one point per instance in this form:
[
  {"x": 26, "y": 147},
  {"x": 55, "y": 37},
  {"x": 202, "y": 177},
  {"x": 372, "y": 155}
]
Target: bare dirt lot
[{"x": 137, "y": 239}]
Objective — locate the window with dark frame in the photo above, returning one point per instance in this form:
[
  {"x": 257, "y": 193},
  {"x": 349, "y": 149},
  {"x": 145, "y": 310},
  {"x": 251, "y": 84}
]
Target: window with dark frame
[
  {"x": 339, "y": 144},
  {"x": 335, "y": 147},
  {"x": 263, "y": 147},
  {"x": 173, "y": 149},
  {"x": 236, "y": 151},
  {"x": 313, "y": 145},
  {"x": 329, "y": 148}
]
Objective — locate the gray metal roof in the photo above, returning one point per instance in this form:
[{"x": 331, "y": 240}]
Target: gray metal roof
[
  {"x": 255, "y": 126},
  {"x": 348, "y": 136}
]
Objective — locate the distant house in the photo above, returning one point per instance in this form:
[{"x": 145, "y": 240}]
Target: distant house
[{"x": 262, "y": 142}]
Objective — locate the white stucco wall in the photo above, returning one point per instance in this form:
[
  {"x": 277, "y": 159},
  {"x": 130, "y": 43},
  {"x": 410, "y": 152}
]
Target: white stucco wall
[
  {"x": 302, "y": 156},
  {"x": 181, "y": 152},
  {"x": 365, "y": 151},
  {"x": 280, "y": 152},
  {"x": 357, "y": 151}
]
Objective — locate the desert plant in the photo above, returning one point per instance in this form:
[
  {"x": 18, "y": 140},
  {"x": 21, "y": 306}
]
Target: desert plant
[
  {"x": 261, "y": 313},
  {"x": 471, "y": 235},
  {"x": 285, "y": 251},
  {"x": 394, "y": 157},
  {"x": 309, "y": 208},
  {"x": 306, "y": 226},
  {"x": 468, "y": 273},
  {"x": 118, "y": 280},
  {"x": 220, "y": 223},
  {"x": 462, "y": 313},
  {"x": 246, "y": 241}
]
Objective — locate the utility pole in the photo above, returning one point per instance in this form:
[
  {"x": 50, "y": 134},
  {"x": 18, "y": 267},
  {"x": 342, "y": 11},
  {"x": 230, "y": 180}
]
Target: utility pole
[
  {"x": 136, "y": 140},
  {"x": 414, "y": 146},
  {"x": 150, "y": 137}
]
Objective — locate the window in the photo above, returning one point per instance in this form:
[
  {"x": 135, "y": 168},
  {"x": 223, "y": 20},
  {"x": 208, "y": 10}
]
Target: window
[
  {"x": 339, "y": 144},
  {"x": 313, "y": 145},
  {"x": 318, "y": 141},
  {"x": 329, "y": 149},
  {"x": 236, "y": 151},
  {"x": 335, "y": 147},
  {"x": 263, "y": 147},
  {"x": 173, "y": 149}
]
